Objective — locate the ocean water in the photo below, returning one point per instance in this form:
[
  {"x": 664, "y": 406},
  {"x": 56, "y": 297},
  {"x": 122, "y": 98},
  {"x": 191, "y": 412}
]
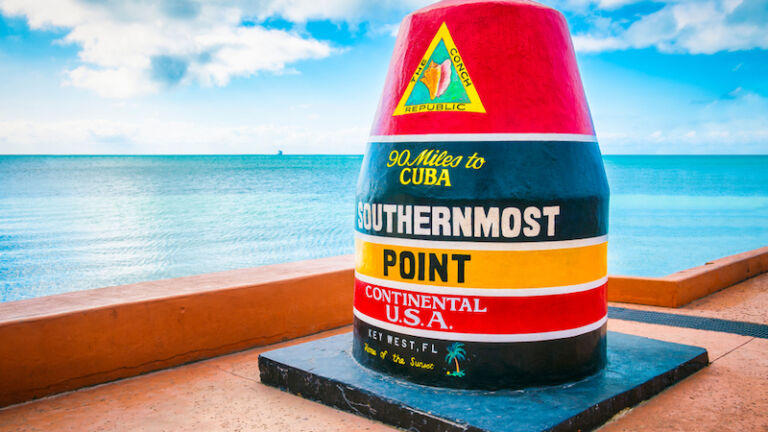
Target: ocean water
[{"x": 76, "y": 222}]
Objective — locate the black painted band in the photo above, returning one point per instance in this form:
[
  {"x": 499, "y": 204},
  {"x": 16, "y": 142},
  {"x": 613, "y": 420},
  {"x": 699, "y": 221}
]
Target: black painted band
[
  {"x": 479, "y": 365},
  {"x": 514, "y": 174}
]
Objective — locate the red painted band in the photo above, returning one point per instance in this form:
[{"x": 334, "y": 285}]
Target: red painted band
[
  {"x": 481, "y": 315},
  {"x": 520, "y": 60}
]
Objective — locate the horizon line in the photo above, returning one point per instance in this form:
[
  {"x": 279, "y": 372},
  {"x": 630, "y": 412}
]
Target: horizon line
[{"x": 337, "y": 154}]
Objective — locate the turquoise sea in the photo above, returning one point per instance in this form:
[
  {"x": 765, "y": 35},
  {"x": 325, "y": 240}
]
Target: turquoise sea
[{"x": 77, "y": 222}]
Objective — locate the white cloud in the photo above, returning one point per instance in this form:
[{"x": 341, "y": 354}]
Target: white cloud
[
  {"x": 585, "y": 5},
  {"x": 134, "y": 48},
  {"x": 587, "y": 43},
  {"x": 119, "y": 82},
  {"x": 243, "y": 51},
  {"x": 689, "y": 26},
  {"x": 302, "y": 10},
  {"x": 614, "y": 4}
]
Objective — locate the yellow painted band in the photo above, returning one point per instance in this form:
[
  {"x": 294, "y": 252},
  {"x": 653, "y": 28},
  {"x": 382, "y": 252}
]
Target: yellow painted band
[{"x": 483, "y": 269}]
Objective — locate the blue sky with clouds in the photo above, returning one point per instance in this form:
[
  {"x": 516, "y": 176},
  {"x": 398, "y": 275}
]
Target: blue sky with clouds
[{"x": 304, "y": 76}]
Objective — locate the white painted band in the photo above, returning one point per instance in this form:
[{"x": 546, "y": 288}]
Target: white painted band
[
  {"x": 485, "y": 246},
  {"x": 481, "y": 292},
  {"x": 471, "y": 337},
  {"x": 482, "y": 137}
]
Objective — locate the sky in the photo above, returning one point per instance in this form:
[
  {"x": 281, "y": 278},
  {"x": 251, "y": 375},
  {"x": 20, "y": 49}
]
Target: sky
[{"x": 305, "y": 76}]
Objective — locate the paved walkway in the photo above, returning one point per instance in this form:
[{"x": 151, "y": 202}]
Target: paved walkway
[{"x": 224, "y": 394}]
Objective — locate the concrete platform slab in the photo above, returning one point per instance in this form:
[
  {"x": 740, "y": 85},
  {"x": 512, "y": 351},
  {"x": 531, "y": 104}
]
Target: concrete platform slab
[{"x": 637, "y": 369}]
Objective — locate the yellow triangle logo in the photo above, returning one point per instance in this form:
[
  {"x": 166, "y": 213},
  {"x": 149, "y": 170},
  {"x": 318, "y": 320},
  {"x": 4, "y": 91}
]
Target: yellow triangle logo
[{"x": 441, "y": 82}]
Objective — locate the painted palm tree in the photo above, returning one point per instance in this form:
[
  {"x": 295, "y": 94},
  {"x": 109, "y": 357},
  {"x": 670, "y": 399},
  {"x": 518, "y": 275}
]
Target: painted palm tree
[{"x": 456, "y": 352}]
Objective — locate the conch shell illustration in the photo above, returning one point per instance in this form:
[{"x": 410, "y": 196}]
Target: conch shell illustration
[{"x": 436, "y": 78}]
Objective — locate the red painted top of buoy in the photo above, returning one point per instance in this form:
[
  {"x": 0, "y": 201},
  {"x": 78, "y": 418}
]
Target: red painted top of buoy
[{"x": 518, "y": 56}]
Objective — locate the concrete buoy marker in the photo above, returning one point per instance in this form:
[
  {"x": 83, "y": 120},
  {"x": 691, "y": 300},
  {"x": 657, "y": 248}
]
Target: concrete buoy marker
[{"x": 482, "y": 205}]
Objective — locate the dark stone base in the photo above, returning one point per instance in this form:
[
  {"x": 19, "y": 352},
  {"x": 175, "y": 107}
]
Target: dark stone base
[
  {"x": 485, "y": 366},
  {"x": 637, "y": 369}
]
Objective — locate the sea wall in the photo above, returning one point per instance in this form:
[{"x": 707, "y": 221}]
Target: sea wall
[
  {"x": 63, "y": 342},
  {"x": 681, "y": 288},
  {"x": 67, "y": 341}
]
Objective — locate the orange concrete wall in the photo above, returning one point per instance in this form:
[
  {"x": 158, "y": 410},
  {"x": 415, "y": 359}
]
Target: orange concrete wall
[
  {"x": 681, "y": 288},
  {"x": 67, "y": 341},
  {"x": 700, "y": 281},
  {"x": 641, "y": 290}
]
